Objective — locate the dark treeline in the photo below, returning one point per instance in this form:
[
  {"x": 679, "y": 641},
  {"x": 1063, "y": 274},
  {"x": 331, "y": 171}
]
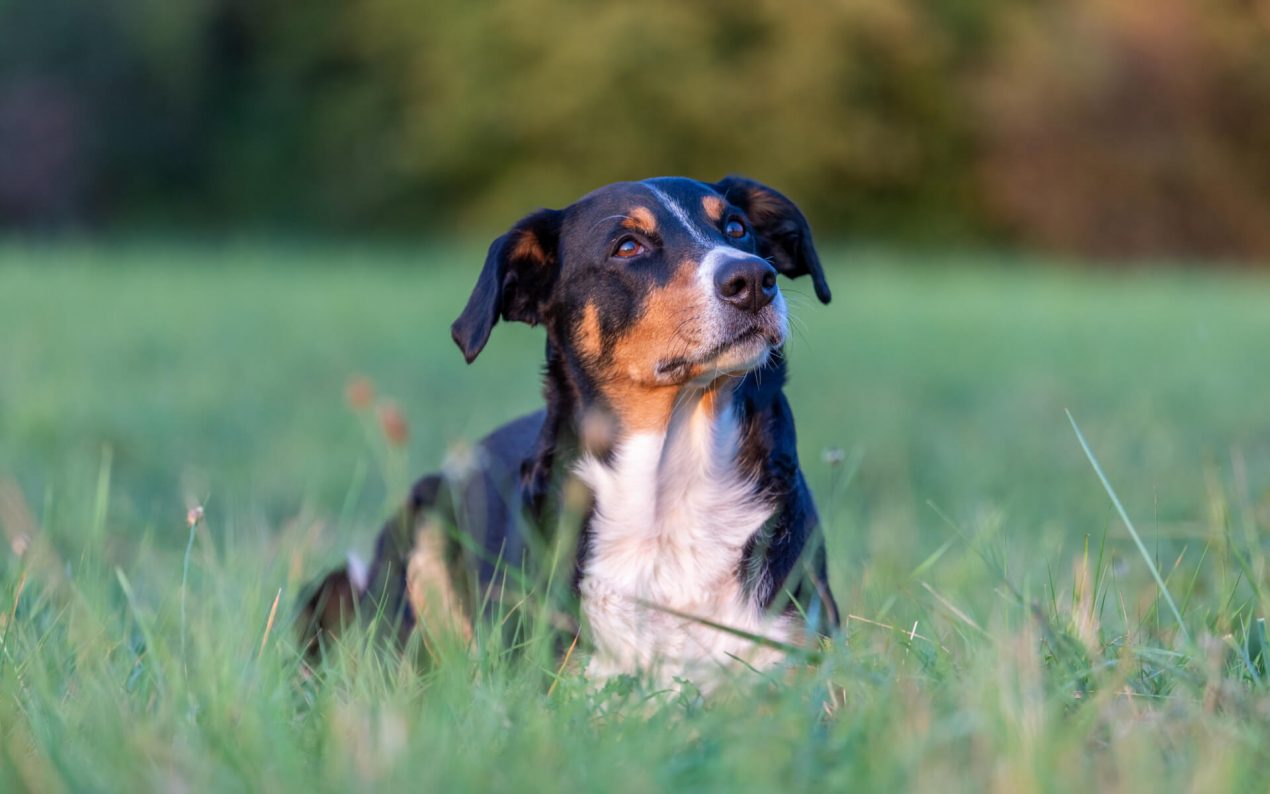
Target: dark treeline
[{"x": 1106, "y": 127}]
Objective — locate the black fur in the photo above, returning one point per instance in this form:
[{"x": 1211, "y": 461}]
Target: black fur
[{"x": 519, "y": 272}]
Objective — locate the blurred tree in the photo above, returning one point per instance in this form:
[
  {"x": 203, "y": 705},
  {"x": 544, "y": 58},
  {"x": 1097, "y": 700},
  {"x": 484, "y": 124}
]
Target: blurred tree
[
  {"x": 848, "y": 106},
  {"x": 1104, "y": 126},
  {"x": 98, "y": 105},
  {"x": 1132, "y": 129}
]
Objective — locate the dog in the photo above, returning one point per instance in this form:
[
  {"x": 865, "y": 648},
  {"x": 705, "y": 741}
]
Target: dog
[{"x": 699, "y": 545}]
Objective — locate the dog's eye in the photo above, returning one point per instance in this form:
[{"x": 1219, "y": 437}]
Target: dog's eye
[
  {"x": 734, "y": 228},
  {"x": 628, "y": 248}
]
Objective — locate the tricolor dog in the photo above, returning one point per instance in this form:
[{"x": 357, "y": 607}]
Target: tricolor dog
[{"x": 665, "y": 330}]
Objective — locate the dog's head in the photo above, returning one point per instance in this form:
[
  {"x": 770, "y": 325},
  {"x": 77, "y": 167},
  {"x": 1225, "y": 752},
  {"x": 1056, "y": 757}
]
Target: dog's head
[{"x": 650, "y": 286}]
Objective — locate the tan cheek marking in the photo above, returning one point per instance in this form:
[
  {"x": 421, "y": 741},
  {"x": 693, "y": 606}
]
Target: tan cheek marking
[
  {"x": 666, "y": 327},
  {"x": 714, "y": 207},
  {"x": 640, "y": 219},
  {"x": 589, "y": 338}
]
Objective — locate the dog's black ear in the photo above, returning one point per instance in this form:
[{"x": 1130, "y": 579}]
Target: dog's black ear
[
  {"x": 519, "y": 272},
  {"x": 783, "y": 232}
]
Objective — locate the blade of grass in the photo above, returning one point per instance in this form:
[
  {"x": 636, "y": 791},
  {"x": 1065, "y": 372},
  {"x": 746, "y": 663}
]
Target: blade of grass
[
  {"x": 193, "y": 518},
  {"x": 1100, "y": 573},
  {"x": 146, "y": 635},
  {"x": 1133, "y": 532},
  {"x": 13, "y": 615},
  {"x": 930, "y": 561},
  {"x": 811, "y": 656},
  {"x": 951, "y": 607},
  {"x": 912, "y": 635},
  {"x": 563, "y": 664},
  {"x": 994, "y": 565},
  {"x": 273, "y": 613}
]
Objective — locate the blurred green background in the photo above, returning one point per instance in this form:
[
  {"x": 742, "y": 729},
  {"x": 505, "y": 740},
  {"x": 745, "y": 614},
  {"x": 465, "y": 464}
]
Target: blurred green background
[{"x": 1112, "y": 128}]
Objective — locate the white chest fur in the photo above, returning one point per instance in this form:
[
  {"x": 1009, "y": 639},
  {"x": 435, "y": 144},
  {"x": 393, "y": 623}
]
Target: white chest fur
[{"x": 672, "y": 517}]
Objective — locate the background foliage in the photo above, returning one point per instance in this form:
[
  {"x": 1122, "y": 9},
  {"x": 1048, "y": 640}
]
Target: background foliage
[{"x": 1110, "y": 127}]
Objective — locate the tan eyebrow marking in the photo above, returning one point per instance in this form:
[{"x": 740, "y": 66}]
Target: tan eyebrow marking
[
  {"x": 589, "y": 334},
  {"x": 640, "y": 219},
  {"x": 714, "y": 207}
]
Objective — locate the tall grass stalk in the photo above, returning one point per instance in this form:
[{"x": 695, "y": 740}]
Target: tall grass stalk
[
  {"x": 1133, "y": 532},
  {"x": 193, "y": 518}
]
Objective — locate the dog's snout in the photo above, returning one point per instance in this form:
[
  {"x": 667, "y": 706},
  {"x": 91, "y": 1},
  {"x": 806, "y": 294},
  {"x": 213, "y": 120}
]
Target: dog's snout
[{"x": 748, "y": 284}]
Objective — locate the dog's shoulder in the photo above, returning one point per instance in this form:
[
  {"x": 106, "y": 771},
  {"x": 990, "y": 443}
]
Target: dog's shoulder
[{"x": 512, "y": 443}]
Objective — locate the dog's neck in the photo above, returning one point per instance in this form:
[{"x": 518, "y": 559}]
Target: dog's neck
[
  {"x": 665, "y": 484},
  {"x": 674, "y": 513},
  {"x": 580, "y": 419},
  {"x": 665, "y": 412},
  {"x": 696, "y": 423}
]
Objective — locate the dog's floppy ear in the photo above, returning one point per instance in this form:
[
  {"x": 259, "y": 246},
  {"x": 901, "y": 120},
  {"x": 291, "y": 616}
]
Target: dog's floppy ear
[
  {"x": 519, "y": 272},
  {"x": 783, "y": 233}
]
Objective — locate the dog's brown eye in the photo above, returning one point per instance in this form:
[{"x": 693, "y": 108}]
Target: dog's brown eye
[
  {"x": 628, "y": 248},
  {"x": 734, "y": 228}
]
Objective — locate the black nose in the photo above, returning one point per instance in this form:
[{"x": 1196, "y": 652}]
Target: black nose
[{"x": 748, "y": 284}]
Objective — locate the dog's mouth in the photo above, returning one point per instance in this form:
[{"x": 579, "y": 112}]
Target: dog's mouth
[
  {"x": 740, "y": 353},
  {"x": 746, "y": 338}
]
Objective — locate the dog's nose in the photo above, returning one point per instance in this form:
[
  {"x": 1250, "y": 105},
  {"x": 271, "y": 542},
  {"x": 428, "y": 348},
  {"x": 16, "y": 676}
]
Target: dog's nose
[{"x": 748, "y": 284}]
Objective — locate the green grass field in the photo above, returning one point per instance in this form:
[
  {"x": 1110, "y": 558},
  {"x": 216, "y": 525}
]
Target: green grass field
[{"x": 1006, "y": 632}]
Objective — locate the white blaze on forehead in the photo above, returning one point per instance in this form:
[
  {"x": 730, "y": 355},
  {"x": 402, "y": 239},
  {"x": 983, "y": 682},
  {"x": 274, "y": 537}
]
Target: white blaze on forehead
[{"x": 680, "y": 215}]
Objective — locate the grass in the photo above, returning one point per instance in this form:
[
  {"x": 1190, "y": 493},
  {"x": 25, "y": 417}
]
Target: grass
[{"x": 1006, "y": 630}]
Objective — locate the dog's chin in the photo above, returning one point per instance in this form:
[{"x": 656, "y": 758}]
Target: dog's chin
[{"x": 744, "y": 352}]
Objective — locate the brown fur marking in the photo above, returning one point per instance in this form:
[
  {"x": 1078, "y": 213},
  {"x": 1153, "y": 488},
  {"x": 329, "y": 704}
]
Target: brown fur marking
[
  {"x": 763, "y": 205},
  {"x": 528, "y": 246},
  {"x": 432, "y": 595},
  {"x": 589, "y": 338},
  {"x": 640, "y": 219},
  {"x": 714, "y": 207}
]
